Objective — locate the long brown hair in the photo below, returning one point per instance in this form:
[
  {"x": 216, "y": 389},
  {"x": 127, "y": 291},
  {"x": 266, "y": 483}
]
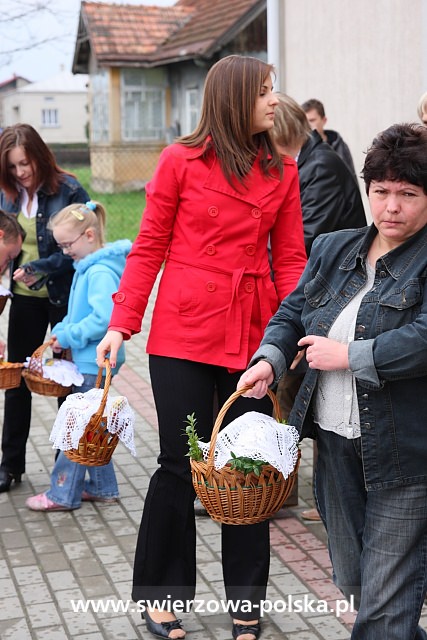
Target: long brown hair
[
  {"x": 46, "y": 170},
  {"x": 232, "y": 87}
]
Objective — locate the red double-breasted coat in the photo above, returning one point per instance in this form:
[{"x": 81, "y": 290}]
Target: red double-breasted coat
[{"x": 216, "y": 294}]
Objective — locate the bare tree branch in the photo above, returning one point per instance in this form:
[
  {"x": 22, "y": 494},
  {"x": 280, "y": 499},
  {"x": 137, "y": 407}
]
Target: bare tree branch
[{"x": 20, "y": 27}]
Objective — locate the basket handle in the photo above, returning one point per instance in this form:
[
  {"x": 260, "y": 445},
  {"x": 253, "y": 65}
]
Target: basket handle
[
  {"x": 35, "y": 365},
  {"x": 107, "y": 384},
  {"x": 227, "y": 404}
]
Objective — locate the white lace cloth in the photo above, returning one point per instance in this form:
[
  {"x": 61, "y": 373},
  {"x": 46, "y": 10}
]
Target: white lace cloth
[
  {"x": 60, "y": 371},
  {"x": 257, "y": 436},
  {"x": 4, "y": 291},
  {"x": 75, "y": 413}
]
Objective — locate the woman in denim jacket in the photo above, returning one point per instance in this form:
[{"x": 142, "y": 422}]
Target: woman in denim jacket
[
  {"x": 33, "y": 188},
  {"x": 360, "y": 314}
]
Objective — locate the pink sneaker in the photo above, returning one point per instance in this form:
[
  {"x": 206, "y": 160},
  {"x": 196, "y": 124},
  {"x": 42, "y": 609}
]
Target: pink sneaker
[
  {"x": 87, "y": 497},
  {"x": 42, "y": 503}
]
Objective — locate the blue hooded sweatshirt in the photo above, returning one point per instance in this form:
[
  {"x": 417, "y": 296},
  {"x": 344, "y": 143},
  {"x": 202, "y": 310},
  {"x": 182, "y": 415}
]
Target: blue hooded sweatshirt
[{"x": 96, "y": 278}]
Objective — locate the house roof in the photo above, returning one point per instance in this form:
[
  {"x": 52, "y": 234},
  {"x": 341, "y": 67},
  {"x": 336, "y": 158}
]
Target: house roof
[
  {"x": 13, "y": 81},
  {"x": 212, "y": 25},
  {"x": 141, "y": 35},
  {"x": 62, "y": 82}
]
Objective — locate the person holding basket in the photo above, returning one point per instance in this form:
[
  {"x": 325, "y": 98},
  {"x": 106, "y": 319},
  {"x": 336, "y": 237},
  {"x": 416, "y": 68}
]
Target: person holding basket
[
  {"x": 216, "y": 197},
  {"x": 359, "y": 314},
  {"x": 79, "y": 232}
]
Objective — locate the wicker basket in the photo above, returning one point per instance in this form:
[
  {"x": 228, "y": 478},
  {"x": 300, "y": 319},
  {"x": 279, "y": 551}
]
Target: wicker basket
[
  {"x": 10, "y": 374},
  {"x": 231, "y": 497},
  {"x": 96, "y": 446},
  {"x": 34, "y": 379}
]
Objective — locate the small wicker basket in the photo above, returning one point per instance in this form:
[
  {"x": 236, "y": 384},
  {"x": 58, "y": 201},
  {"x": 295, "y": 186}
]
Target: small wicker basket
[
  {"x": 97, "y": 444},
  {"x": 10, "y": 374},
  {"x": 34, "y": 379},
  {"x": 231, "y": 497}
]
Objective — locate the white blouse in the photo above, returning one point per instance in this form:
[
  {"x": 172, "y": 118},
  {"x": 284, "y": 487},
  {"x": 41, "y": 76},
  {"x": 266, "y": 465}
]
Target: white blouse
[{"x": 335, "y": 405}]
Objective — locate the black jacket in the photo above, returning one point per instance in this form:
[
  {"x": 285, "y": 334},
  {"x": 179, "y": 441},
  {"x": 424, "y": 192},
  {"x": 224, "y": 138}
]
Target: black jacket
[
  {"x": 330, "y": 195},
  {"x": 334, "y": 139}
]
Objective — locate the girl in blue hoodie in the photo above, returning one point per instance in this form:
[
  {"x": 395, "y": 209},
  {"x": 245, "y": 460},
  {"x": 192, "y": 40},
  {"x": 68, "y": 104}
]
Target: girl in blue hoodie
[{"x": 79, "y": 231}]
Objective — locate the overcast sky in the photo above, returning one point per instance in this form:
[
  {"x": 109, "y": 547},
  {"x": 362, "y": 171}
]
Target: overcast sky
[{"x": 23, "y": 26}]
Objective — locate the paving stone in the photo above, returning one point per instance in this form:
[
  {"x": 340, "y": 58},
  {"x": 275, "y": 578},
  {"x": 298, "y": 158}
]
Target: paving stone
[
  {"x": 28, "y": 575},
  {"x": 15, "y": 629},
  {"x": 7, "y": 588},
  {"x": 43, "y": 614},
  {"x": 31, "y": 595}
]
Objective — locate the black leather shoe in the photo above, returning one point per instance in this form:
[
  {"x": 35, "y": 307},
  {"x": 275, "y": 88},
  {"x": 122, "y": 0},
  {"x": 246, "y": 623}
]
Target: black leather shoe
[
  {"x": 6, "y": 478},
  {"x": 160, "y": 629},
  {"x": 240, "y": 629}
]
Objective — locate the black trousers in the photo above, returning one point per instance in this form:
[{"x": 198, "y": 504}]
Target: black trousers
[
  {"x": 29, "y": 318},
  {"x": 165, "y": 558}
]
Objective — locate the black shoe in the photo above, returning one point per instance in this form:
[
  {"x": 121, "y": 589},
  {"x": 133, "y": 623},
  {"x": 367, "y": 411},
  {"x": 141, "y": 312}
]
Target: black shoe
[
  {"x": 6, "y": 478},
  {"x": 160, "y": 629},
  {"x": 240, "y": 629}
]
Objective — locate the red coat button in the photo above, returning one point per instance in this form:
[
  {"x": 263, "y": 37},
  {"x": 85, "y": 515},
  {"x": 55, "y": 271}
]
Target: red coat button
[
  {"x": 210, "y": 286},
  {"x": 249, "y": 287},
  {"x": 213, "y": 212},
  {"x": 250, "y": 250},
  {"x": 210, "y": 249},
  {"x": 119, "y": 297},
  {"x": 256, "y": 213}
]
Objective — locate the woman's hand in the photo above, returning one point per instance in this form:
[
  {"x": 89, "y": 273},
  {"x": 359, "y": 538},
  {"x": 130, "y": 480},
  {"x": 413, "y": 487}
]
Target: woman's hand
[
  {"x": 325, "y": 354},
  {"x": 259, "y": 377},
  {"x": 2, "y": 349},
  {"x": 110, "y": 343},
  {"x": 19, "y": 275},
  {"x": 55, "y": 346}
]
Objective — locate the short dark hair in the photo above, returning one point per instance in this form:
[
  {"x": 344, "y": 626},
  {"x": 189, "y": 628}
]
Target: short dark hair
[
  {"x": 11, "y": 227},
  {"x": 308, "y": 105},
  {"x": 398, "y": 154}
]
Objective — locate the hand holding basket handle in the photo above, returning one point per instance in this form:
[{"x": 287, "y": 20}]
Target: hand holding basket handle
[
  {"x": 97, "y": 444},
  {"x": 231, "y": 497},
  {"x": 221, "y": 414}
]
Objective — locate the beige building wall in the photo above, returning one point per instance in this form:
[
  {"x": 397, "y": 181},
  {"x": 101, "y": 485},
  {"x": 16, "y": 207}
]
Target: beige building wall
[
  {"x": 28, "y": 107},
  {"x": 64, "y": 96},
  {"x": 366, "y": 60}
]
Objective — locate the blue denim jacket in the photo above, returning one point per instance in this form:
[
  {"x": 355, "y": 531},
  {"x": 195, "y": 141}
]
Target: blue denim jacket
[
  {"x": 56, "y": 267},
  {"x": 388, "y": 355}
]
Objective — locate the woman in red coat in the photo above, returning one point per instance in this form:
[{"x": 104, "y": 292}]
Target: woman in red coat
[{"x": 215, "y": 199}]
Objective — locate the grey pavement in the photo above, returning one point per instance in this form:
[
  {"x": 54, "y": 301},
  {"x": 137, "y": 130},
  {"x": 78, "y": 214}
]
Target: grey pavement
[{"x": 50, "y": 562}]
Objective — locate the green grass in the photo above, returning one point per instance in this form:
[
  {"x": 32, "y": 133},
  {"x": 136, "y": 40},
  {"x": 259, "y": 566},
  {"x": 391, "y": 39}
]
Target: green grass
[{"x": 124, "y": 210}]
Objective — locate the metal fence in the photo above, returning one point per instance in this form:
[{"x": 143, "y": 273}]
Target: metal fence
[{"x": 114, "y": 176}]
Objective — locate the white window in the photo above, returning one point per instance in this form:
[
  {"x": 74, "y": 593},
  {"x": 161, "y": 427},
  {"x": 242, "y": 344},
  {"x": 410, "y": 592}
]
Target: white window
[
  {"x": 99, "y": 106},
  {"x": 192, "y": 110},
  {"x": 143, "y": 104},
  {"x": 50, "y": 118}
]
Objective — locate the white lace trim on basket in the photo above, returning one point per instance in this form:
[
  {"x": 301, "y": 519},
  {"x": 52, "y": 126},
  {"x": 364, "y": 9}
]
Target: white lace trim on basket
[
  {"x": 61, "y": 371},
  {"x": 75, "y": 413},
  {"x": 257, "y": 436}
]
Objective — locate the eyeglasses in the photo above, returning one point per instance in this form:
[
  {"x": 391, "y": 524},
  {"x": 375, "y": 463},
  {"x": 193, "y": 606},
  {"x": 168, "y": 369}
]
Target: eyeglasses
[{"x": 68, "y": 245}]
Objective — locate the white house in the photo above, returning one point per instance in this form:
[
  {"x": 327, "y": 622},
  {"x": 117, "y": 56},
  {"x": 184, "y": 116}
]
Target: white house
[{"x": 56, "y": 107}]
